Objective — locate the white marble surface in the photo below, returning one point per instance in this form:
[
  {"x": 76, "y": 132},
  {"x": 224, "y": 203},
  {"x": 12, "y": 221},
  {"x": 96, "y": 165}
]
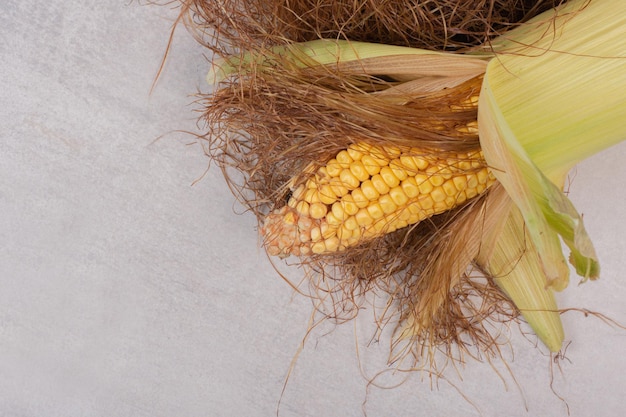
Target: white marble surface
[{"x": 126, "y": 291}]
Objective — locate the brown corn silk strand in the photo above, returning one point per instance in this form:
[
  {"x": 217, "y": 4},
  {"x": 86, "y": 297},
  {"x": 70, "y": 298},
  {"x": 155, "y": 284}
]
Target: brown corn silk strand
[{"x": 429, "y": 24}]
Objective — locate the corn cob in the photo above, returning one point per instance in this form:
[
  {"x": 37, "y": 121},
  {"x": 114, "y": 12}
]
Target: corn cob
[{"x": 367, "y": 191}]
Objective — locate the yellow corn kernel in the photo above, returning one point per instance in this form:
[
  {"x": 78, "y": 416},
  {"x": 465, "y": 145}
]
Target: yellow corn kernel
[
  {"x": 387, "y": 204},
  {"x": 398, "y": 196},
  {"x": 326, "y": 194},
  {"x": 348, "y": 205},
  {"x": 318, "y": 210},
  {"x": 311, "y": 196},
  {"x": 354, "y": 153},
  {"x": 350, "y": 223},
  {"x": 332, "y": 244},
  {"x": 359, "y": 171},
  {"x": 460, "y": 182},
  {"x": 369, "y": 191},
  {"x": 375, "y": 211},
  {"x": 399, "y": 170},
  {"x": 338, "y": 187},
  {"x": 424, "y": 184},
  {"x": 389, "y": 177},
  {"x": 363, "y": 217},
  {"x": 359, "y": 197},
  {"x": 438, "y": 194},
  {"x": 370, "y": 165},
  {"x": 333, "y": 168},
  {"x": 302, "y": 207},
  {"x": 344, "y": 159},
  {"x": 410, "y": 188},
  {"x": 332, "y": 220},
  {"x": 348, "y": 179},
  {"x": 379, "y": 183},
  {"x": 338, "y": 211},
  {"x": 449, "y": 188},
  {"x": 319, "y": 247}
]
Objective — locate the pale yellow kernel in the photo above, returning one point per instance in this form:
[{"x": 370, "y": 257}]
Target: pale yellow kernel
[
  {"x": 441, "y": 206},
  {"x": 471, "y": 192},
  {"x": 369, "y": 191},
  {"x": 338, "y": 212},
  {"x": 379, "y": 183},
  {"x": 392, "y": 151},
  {"x": 451, "y": 202},
  {"x": 332, "y": 220},
  {"x": 414, "y": 218},
  {"x": 380, "y": 155},
  {"x": 426, "y": 202},
  {"x": 449, "y": 188},
  {"x": 363, "y": 217},
  {"x": 333, "y": 168},
  {"x": 445, "y": 171},
  {"x": 375, "y": 211},
  {"x": 348, "y": 205},
  {"x": 472, "y": 181},
  {"x": 354, "y": 153},
  {"x": 380, "y": 227},
  {"x": 319, "y": 247},
  {"x": 415, "y": 208},
  {"x": 481, "y": 188},
  {"x": 318, "y": 210},
  {"x": 389, "y": 177},
  {"x": 435, "y": 179},
  {"x": 292, "y": 202},
  {"x": 326, "y": 194},
  {"x": 327, "y": 230},
  {"x": 424, "y": 185},
  {"x": 338, "y": 188},
  {"x": 404, "y": 214},
  {"x": 464, "y": 165},
  {"x": 420, "y": 162},
  {"x": 409, "y": 186},
  {"x": 348, "y": 179},
  {"x": 362, "y": 147},
  {"x": 399, "y": 223},
  {"x": 482, "y": 176},
  {"x": 387, "y": 204},
  {"x": 438, "y": 194},
  {"x": 343, "y": 233},
  {"x": 359, "y": 198},
  {"x": 461, "y": 197},
  {"x": 332, "y": 244},
  {"x": 408, "y": 162},
  {"x": 398, "y": 196},
  {"x": 356, "y": 234},
  {"x": 370, "y": 165},
  {"x": 460, "y": 182},
  {"x": 344, "y": 159},
  {"x": 399, "y": 171},
  {"x": 358, "y": 170},
  {"x": 305, "y": 250},
  {"x": 350, "y": 223},
  {"x": 311, "y": 196},
  {"x": 302, "y": 208},
  {"x": 289, "y": 218}
]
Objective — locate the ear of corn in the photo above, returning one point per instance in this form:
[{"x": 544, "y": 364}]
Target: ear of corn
[{"x": 367, "y": 191}]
